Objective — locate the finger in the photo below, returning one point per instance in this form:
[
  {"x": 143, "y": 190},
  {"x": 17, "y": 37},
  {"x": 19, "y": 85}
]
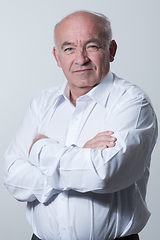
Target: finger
[
  {"x": 113, "y": 139},
  {"x": 111, "y": 144},
  {"x": 106, "y": 139},
  {"x": 109, "y": 132},
  {"x": 104, "y": 147},
  {"x": 105, "y": 133}
]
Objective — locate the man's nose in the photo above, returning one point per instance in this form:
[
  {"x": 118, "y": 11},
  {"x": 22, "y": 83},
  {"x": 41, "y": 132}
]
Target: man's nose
[{"x": 81, "y": 57}]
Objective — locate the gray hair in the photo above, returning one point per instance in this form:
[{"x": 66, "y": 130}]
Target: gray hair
[
  {"x": 105, "y": 25},
  {"x": 103, "y": 22}
]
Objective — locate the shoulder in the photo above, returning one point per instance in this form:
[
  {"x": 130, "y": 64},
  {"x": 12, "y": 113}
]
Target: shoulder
[
  {"x": 125, "y": 89},
  {"x": 46, "y": 99},
  {"x": 49, "y": 94},
  {"x": 127, "y": 97}
]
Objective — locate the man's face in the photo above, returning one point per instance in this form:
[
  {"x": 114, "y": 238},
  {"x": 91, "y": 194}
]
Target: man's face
[{"x": 81, "y": 53}]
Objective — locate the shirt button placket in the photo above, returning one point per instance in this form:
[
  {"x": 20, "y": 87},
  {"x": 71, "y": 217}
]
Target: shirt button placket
[
  {"x": 71, "y": 137},
  {"x": 62, "y": 212}
]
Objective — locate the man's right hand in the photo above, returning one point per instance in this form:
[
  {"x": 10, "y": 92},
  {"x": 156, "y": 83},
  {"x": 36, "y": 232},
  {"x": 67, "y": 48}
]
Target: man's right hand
[
  {"x": 38, "y": 137},
  {"x": 101, "y": 141}
]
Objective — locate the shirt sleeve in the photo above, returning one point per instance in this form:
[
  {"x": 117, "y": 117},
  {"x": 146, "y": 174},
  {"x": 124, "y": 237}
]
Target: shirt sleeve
[
  {"x": 103, "y": 171},
  {"x": 24, "y": 180}
]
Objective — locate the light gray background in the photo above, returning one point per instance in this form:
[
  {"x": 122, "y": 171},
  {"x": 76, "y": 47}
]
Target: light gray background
[{"x": 27, "y": 67}]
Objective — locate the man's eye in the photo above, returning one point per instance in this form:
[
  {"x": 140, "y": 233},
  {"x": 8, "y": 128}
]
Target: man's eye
[
  {"x": 68, "y": 50},
  {"x": 92, "y": 48}
]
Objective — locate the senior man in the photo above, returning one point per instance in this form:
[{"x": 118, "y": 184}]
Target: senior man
[{"x": 81, "y": 156}]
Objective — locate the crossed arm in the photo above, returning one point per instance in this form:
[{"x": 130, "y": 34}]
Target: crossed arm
[
  {"x": 101, "y": 141},
  {"x": 52, "y": 167}
]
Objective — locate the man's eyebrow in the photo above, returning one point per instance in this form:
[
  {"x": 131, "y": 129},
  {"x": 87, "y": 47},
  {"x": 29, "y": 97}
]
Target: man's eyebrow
[
  {"x": 94, "y": 40},
  {"x": 67, "y": 44}
]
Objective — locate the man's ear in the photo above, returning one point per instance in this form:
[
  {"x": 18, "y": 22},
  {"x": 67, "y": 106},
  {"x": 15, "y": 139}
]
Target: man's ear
[
  {"x": 112, "y": 49},
  {"x": 55, "y": 54}
]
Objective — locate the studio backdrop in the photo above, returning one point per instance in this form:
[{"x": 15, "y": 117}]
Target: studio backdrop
[{"x": 27, "y": 66}]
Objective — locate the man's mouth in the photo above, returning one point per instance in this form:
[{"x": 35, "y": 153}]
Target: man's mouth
[{"x": 82, "y": 70}]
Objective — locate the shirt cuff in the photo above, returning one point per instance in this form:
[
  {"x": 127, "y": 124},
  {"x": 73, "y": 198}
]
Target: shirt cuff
[{"x": 36, "y": 150}]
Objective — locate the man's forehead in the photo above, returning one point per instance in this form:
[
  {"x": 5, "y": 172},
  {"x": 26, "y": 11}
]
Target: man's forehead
[
  {"x": 80, "y": 30},
  {"x": 77, "y": 24}
]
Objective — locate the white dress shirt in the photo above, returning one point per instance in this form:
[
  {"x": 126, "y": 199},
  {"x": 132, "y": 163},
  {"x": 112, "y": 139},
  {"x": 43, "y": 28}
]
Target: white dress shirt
[{"x": 76, "y": 193}]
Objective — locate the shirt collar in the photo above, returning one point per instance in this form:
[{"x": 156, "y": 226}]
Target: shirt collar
[
  {"x": 63, "y": 91},
  {"x": 99, "y": 94}
]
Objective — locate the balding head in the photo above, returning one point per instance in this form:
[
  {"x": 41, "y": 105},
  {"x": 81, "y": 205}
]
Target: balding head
[{"x": 101, "y": 22}]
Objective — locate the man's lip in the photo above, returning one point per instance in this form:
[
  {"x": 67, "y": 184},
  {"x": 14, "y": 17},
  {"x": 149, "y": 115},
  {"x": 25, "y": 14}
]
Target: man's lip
[{"x": 82, "y": 70}]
